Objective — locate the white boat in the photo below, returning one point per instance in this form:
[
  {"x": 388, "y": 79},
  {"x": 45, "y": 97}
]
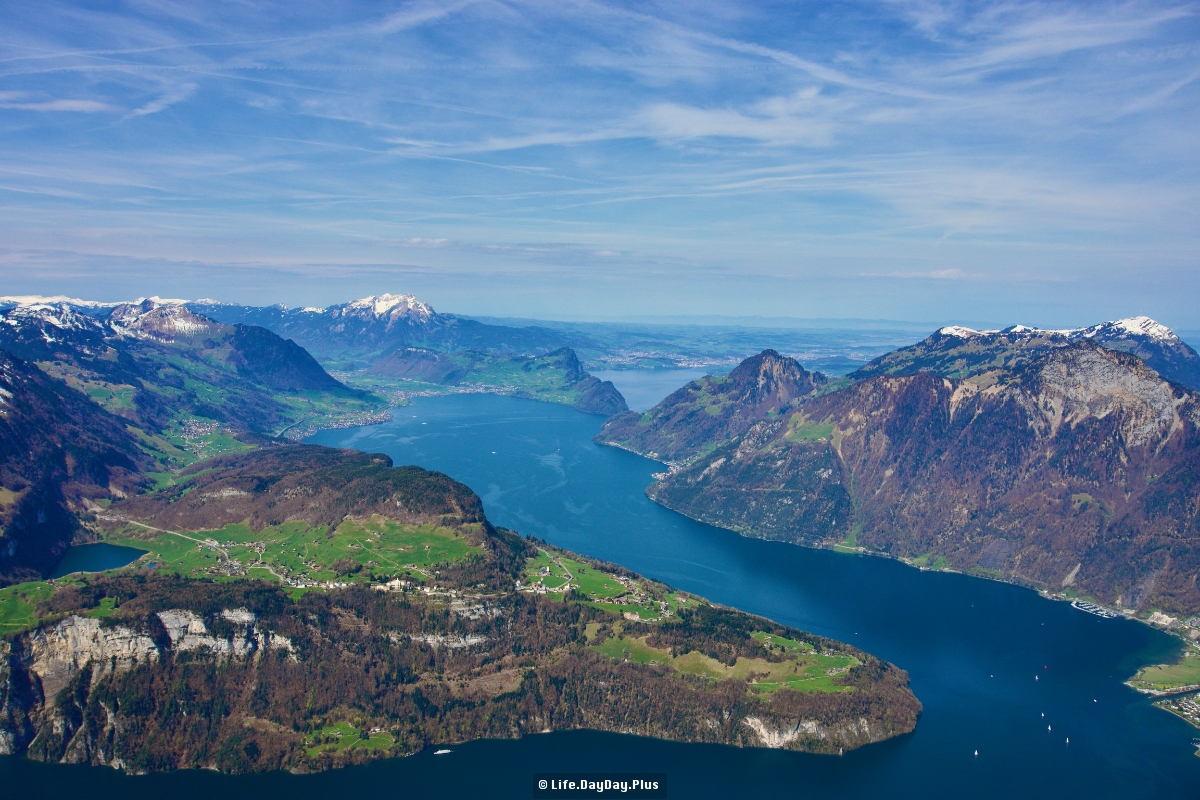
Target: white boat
[{"x": 440, "y": 752}]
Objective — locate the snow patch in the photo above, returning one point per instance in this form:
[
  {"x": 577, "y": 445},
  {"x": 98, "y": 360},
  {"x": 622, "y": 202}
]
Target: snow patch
[
  {"x": 1136, "y": 327},
  {"x": 959, "y": 331},
  {"x": 1130, "y": 326}
]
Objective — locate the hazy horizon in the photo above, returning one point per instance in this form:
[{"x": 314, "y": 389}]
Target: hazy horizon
[{"x": 907, "y": 160}]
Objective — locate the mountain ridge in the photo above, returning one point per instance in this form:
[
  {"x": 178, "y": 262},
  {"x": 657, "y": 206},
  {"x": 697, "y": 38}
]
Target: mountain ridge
[
  {"x": 355, "y": 334},
  {"x": 1073, "y": 468},
  {"x": 957, "y": 352}
]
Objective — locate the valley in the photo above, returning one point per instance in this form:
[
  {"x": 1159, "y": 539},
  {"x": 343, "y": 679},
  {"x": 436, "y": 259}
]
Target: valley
[{"x": 244, "y": 513}]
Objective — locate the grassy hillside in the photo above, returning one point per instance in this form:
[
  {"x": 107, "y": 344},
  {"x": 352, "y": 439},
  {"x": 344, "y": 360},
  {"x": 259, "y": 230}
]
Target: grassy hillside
[{"x": 310, "y": 608}]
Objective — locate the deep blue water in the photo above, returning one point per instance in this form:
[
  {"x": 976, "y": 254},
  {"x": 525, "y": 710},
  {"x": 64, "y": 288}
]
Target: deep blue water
[
  {"x": 95, "y": 558},
  {"x": 972, "y": 647}
]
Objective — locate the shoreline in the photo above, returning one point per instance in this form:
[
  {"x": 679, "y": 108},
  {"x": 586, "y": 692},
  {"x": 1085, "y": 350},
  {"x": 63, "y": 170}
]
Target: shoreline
[{"x": 838, "y": 547}]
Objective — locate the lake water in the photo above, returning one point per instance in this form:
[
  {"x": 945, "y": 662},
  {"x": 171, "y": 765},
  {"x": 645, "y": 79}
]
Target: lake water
[
  {"x": 95, "y": 558},
  {"x": 972, "y": 647},
  {"x": 644, "y": 388}
]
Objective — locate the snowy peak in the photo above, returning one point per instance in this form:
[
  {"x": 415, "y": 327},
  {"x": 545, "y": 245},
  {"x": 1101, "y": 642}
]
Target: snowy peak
[
  {"x": 959, "y": 331},
  {"x": 956, "y": 351},
  {"x": 39, "y": 329},
  {"x": 385, "y": 306},
  {"x": 46, "y": 315},
  {"x": 1121, "y": 328},
  {"x": 157, "y": 319},
  {"x": 1131, "y": 326}
]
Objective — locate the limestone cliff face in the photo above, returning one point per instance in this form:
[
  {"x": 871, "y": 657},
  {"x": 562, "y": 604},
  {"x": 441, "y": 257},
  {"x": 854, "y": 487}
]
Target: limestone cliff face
[
  {"x": 856, "y": 731},
  {"x": 56, "y": 654},
  {"x": 188, "y": 633},
  {"x": 47, "y": 707}
]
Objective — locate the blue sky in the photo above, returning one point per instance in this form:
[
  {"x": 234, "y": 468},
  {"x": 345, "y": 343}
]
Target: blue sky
[{"x": 996, "y": 162}]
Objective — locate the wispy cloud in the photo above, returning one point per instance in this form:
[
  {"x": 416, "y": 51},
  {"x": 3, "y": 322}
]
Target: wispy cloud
[
  {"x": 941, "y": 145},
  {"x": 17, "y": 100},
  {"x": 176, "y": 95}
]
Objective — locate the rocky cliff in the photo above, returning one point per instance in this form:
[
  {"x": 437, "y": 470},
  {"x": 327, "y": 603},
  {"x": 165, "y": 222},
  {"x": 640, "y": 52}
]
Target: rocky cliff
[{"x": 51, "y": 701}]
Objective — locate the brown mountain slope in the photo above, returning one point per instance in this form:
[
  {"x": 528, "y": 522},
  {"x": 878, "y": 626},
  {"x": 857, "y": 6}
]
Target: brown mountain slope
[
  {"x": 1079, "y": 468},
  {"x": 308, "y": 483},
  {"x": 711, "y": 410},
  {"x": 57, "y": 449}
]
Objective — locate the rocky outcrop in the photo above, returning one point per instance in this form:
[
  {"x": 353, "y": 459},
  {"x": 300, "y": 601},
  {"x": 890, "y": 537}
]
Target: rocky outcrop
[
  {"x": 47, "y": 704},
  {"x": 598, "y": 397},
  {"x": 57, "y": 653},
  {"x": 855, "y": 731},
  {"x": 187, "y": 632}
]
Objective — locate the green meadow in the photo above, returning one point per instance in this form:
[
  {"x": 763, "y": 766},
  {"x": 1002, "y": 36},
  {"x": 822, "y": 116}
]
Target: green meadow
[
  {"x": 1169, "y": 677},
  {"x": 18, "y": 605},
  {"x": 356, "y": 550},
  {"x": 344, "y": 736},
  {"x": 804, "y": 669},
  {"x": 617, "y": 596}
]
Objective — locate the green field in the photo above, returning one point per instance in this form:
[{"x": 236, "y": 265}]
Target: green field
[
  {"x": 614, "y": 594},
  {"x": 850, "y": 543},
  {"x": 344, "y": 736},
  {"x": 804, "y": 671},
  {"x": 1170, "y": 677},
  {"x": 18, "y": 605},
  {"x": 554, "y": 569},
  {"x": 356, "y": 551},
  {"x": 800, "y": 429},
  {"x": 931, "y": 561}
]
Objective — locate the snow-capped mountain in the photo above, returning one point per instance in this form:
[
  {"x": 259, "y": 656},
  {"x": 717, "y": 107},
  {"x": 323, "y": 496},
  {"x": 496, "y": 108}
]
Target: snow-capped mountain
[
  {"x": 957, "y": 351},
  {"x": 388, "y": 308},
  {"x": 1132, "y": 328},
  {"x": 347, "y": 335},
  {"x": 162, "y": 321},
  {"x": 38, "y": 329},
  {"x": 362, "y": 331}
]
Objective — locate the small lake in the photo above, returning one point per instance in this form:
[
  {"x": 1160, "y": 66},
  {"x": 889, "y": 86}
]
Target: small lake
[
  {"x": 95, "y": 558},
  {"x": 1000, "y": 670}
]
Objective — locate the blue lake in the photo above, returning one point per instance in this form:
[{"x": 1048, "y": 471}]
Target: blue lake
[
  {"x": 95, "y": 558},
  {"x": 987, "y": 659}
]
